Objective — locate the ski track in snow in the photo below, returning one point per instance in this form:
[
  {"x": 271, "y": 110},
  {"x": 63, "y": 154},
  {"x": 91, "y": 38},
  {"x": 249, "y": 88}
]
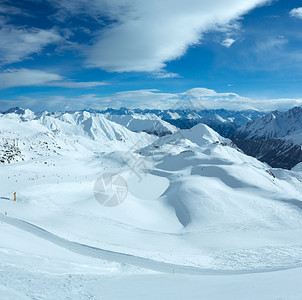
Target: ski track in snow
[{"x": 124, "y": 258}]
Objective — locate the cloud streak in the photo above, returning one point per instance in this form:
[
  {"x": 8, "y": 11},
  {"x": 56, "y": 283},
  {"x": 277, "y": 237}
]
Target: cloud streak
[
  {"x": 196, "y": 98},
  {"x": 17, "y": 43},
  {"x": 77, "y": 84},
  {"x": 142, "y": 36},
  {"x": 25, "y": 77},
  {"x": 11, "y": 10},
  {"x": 155, "y": 32}
]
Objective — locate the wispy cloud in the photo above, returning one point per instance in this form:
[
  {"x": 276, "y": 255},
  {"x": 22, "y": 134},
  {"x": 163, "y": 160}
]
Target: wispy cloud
[
  {"x": 197, "y": 98},
  {"x": 59, "y": 103},
  {"x": 229, "y": 32},
  {"x": 271, "y": 44},
  {"x": 77, "y": 84},
  {"x": 228, "y": 42},
  {"x": 163, "y": 75},
  {"x": 144, "y": 35},
  {"x": 11, "y": 10},
  {"x": 17, "y": 43},
  {"x": 25, "y": 77}
]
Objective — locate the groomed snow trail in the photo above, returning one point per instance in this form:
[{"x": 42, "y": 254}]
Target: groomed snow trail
[{"x": 124, "y": 258}]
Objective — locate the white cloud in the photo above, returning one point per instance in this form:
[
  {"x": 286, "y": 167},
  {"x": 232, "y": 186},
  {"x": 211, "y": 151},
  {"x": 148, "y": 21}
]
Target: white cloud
[
  {"x": 210, "y": 99},
  {"x": 296, "y": 13},
  {"x": 25, "y": 77},
  {"x": 74, "y": 84},
  {"x": 139, "y": 98},
  {"x": 270, "y": 44},
  {"x": 202, "y": 92},
  {"x": 18, "y": 43},
  {"x": 163, "y": 75},
  {"x": 197, "y": 98},
  {"x": 144, "y": 35},
  {"x": 228, "y": 42},
  {"x": 58, "y": 103}
]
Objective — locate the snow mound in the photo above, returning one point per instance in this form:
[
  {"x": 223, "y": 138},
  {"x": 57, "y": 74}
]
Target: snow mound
[{"x": 200, "y": 135}]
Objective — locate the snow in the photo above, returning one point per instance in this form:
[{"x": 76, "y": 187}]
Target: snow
[
  {"x": 143, "y": 123},
  {"x": 201, "y": 220},
  {"x": 286, "y": 125}
]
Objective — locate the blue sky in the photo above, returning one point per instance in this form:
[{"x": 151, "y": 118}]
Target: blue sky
[{"x": 65, "y": 55}]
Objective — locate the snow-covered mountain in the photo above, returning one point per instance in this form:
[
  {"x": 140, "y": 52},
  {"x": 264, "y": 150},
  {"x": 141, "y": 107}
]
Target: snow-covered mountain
[
  {"x": 149, "y": 123},
  {"x": 160, "y": 122},
  {"x": 223, "y": 121},
  {"x": 275, "y": 138},
  {"x": 194, "y": 205},
  {"x": 25, "y": 134}
]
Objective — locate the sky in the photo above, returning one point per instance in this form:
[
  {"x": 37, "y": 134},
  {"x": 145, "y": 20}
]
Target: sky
[{"x": 71, "y": 55}]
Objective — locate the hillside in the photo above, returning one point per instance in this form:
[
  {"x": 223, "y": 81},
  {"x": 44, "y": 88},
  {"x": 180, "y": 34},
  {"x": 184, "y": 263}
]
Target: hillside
[{"x": 275, "y": 138}]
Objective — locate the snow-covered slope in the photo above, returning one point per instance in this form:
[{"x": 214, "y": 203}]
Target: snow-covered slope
[
  {"x": 195, "y": 205},
  {"x": 275, "y": 138},
  {"x": 197, "y": 136},
  {"x": 286, "y": 125},
  {"x": 160, "y": 122},
  {"x": 25, "y": 135},
  {"x": 149, "y": 123},
  {"x": 223, "y": 121}
]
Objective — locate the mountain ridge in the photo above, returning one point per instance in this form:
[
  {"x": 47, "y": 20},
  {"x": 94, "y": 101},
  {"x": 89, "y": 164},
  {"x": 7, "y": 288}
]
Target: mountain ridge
[
  {"x": 165, "y": 121},
  {"x": 275, "y": 138}
]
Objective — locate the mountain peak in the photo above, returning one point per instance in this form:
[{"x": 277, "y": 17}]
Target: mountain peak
[
  {"x": 273, "y": 138},
  {"x": 17, "y": 110}
]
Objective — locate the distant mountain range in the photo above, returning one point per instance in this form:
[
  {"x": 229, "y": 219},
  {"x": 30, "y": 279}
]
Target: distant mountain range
[
  {"x": 162, "y": 122},
  {"x": 27, "y": 135},
  {"x": 225, "y": 122},
  {"x": 275, "y": 138}
]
